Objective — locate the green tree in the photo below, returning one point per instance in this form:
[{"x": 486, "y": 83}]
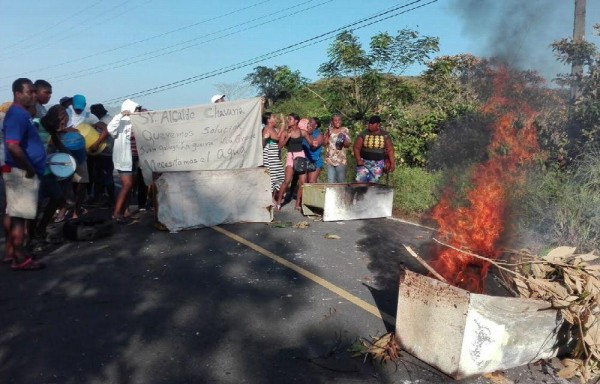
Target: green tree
[
  {"x": 429, "y": 101},
  {"x": 356, "y": 78},
  {"x": 584, "y": 126},
  {"x": 234, "y": 91},
  {"x": 448, "y": 82},
  {"x": 451, "y": 91},
  {"x": 277, "y": 83},
  {"x": 394, "y": 54}
]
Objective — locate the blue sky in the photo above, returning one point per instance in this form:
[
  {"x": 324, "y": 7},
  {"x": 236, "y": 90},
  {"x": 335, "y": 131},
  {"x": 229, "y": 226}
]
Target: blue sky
[{"x": 110, "y": 49}]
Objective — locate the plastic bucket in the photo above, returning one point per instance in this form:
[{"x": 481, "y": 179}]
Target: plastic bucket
[
  {"x": 75, "y": 143},
  {"x": 62, "y": 165}
]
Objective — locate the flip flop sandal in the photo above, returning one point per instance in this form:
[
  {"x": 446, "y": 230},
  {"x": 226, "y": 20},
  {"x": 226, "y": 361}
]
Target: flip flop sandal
[
  {"x": 60, "y": 218},
  {"x": 28, "y": 265}
]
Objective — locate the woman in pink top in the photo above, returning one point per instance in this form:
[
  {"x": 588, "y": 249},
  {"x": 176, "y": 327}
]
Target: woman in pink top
[{"x": 292, "y": 140}]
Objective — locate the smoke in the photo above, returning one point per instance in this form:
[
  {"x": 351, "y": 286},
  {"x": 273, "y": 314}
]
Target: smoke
[
  {"x": 461, "y": 143},
  {"x": 518, "y": 31}
]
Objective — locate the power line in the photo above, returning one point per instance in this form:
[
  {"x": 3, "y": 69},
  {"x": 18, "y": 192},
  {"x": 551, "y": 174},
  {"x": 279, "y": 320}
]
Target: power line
[
  {"x": 279, "y": 52},
  {"x": 104, "y": 52},
  {"x": 399, "y": 10},
  {"x": 172, "y": 48},
  {"x": 56, "y": 37},
  {"x": 166, "y": 50},
  {"x": 58, "y": 23},
  {"x": 91, "y": 22}
]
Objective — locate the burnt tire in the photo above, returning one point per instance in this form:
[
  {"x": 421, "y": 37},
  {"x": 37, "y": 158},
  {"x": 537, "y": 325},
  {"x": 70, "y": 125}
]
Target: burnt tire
[{"x": 87, "y": 228}]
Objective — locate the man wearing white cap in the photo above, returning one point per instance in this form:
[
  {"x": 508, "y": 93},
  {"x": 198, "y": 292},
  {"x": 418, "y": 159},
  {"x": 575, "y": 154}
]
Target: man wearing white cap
[{"x": 217, "y": 99}]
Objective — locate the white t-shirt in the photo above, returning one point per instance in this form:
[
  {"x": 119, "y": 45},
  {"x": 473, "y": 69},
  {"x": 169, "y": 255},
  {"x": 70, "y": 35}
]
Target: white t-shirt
[{"x": 79, "y": 118}]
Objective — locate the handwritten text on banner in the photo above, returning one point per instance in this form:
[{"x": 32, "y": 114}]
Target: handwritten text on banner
[{"x": 205, "y": 137}]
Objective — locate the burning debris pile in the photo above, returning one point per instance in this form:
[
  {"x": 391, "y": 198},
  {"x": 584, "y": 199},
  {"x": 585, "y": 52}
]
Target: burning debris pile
[
  {"x": 473, "y": 224},
  {"x": 479, "y": 223},
  {"x": 570, "y": 283},
  {"x": 446, "y": 321}
]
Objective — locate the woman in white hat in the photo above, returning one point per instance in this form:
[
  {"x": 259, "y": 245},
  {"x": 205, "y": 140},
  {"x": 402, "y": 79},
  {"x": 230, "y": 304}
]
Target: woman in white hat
[{"x": 120, "y": 129}]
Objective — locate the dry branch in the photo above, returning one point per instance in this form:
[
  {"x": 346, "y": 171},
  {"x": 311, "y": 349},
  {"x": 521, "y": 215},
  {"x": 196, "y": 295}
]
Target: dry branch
[
  {"x": 570, "y": 284},
  {"x": 493, "y": 262},
  {"x": 424, "y": 263}
]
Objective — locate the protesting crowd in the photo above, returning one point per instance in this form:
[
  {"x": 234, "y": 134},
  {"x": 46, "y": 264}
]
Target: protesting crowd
[
  {"x": 306, "y": 146},
  {"x": 58, "y": 160}
]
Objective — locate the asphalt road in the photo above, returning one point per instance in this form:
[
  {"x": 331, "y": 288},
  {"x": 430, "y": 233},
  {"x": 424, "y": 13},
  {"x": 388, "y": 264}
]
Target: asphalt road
[{"x": 243, "y": 303}]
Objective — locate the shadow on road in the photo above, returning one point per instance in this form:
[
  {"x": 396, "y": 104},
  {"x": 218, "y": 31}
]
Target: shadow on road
[
  {"x": 148, "y": 307},
  {"x": 383, "y": 242},
  {"x": 144, "y": 306}
]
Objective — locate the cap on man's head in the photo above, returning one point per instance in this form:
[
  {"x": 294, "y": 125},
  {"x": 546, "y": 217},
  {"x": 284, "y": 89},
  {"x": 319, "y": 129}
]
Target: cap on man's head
[
  {"x": 64, "y": 99},
  {"x": 79, "y": 102},
  {"x": 374, "y": 119},
  {"x": 215, "y": 98}
]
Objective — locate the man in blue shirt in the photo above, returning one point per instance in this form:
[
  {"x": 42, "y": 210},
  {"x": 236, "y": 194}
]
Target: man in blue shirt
[{"x": 25, "y": 164}]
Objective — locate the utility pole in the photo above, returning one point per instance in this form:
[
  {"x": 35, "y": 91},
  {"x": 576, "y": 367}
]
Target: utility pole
[
  {"x": 578, "y": 37},
  {"x": 573, "y": 128}
]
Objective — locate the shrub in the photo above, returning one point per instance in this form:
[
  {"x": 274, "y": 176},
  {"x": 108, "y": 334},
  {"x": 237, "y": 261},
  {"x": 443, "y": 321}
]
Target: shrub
[
  {"x": 562, "y": 207},
  {"x": 415, "y": 190}
]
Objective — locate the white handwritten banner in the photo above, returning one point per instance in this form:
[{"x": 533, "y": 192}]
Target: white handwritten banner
[{"x": 205, "y": 137}]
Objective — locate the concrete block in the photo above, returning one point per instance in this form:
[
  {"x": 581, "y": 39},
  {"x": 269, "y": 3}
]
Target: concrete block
[{"x": 465, "y": 334}]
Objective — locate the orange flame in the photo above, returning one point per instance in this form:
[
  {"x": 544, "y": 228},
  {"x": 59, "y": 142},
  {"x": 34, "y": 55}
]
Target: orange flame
[{"x": 477, "y": 226}]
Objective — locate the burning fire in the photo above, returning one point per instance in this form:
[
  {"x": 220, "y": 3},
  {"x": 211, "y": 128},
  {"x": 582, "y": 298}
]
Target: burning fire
[{"x": 478, "y": 225}]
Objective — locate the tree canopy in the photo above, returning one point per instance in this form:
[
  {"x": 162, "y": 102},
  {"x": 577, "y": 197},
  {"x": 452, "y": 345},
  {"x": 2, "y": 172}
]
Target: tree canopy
[
  {"x": 277, "y": 83},
  {"x": 356, "y": 77},
  {"x": 585, "y": 112}
]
